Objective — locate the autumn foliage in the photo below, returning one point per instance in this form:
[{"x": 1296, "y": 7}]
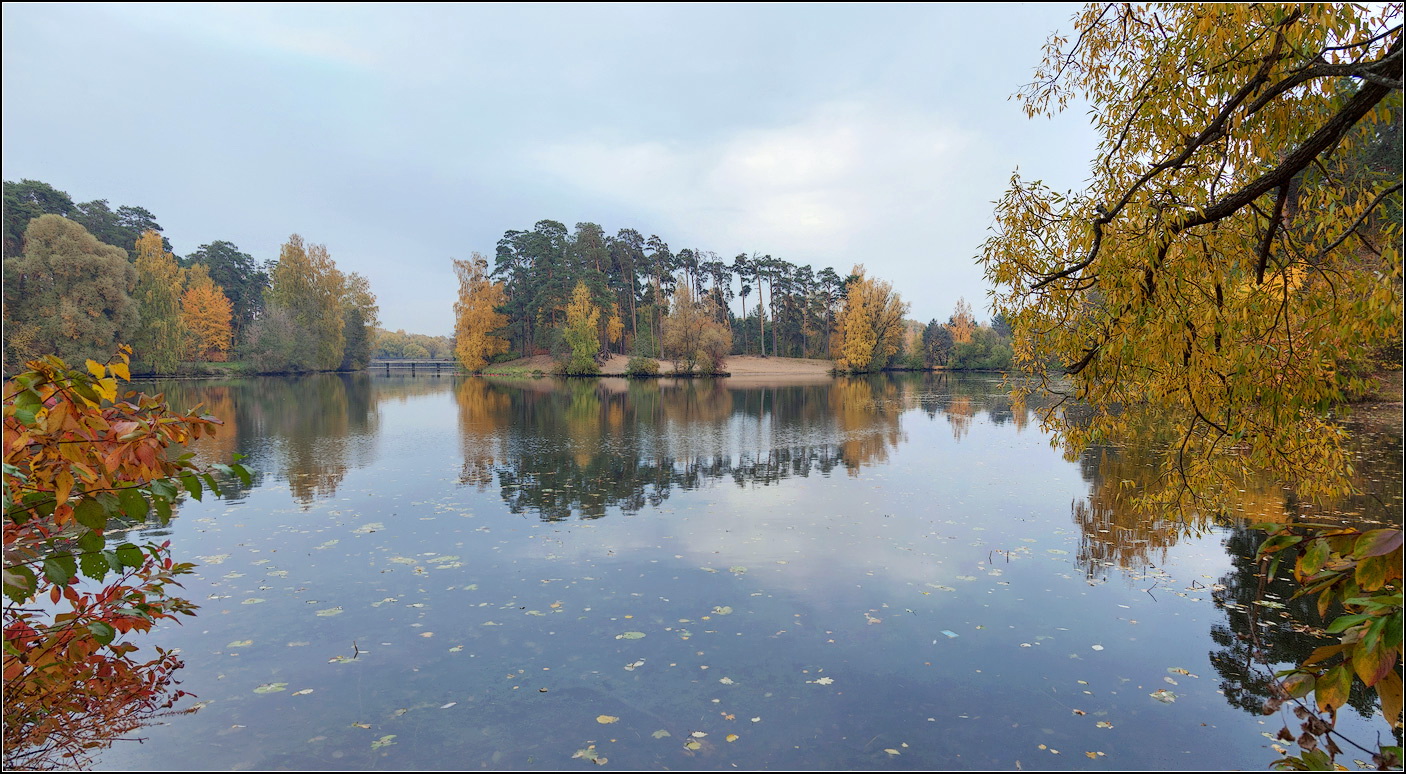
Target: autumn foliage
[
  {"x": 476, "y": 316},
  {"x": 207, "y": 315},
  {"x": 869, "y": 329},
  {"x": 77, "y": 459}
]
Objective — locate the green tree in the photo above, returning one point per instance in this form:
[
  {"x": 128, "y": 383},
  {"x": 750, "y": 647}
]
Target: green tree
[
  {"x": 307, "y": 287},
  {"x": 121, "y": 227},
  {"x": 360, "y": 316},
  {"x": 160, "y": 339},
  {"x": 25, "y": 201},
  {"x": 68, "y": 295},
  {"x": 580, "y": 333}
]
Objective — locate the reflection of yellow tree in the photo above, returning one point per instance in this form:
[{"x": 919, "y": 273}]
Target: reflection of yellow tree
[
  {"x": 867, "y": 415},
  {"x": 218, "y": 403},
  {"x": 483, "y": 414},
  {"x": 960, "y": 411},
  {"x": 583, "y": 422}
]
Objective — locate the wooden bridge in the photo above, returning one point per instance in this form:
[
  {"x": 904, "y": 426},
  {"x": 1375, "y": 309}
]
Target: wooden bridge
[{"x": 425, "y": 364}]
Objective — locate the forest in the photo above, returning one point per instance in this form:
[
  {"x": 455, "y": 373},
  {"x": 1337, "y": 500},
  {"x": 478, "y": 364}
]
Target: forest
[
  {"x": 82, "y": 279},
  {"x": 580, "y": 293}
]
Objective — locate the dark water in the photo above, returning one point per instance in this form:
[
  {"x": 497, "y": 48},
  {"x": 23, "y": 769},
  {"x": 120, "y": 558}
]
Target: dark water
[{"x": 888, "y": 573}]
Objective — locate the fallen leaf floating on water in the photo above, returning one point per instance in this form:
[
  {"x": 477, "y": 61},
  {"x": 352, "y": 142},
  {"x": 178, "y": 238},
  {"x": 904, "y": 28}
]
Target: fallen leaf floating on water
[
  {"x": 303, "y": 692},
  {"x": 331, "y": 611},
  {"x": 660, "y": 734},
  {"x": 607, "y": 719},
  {"x": 630, "y": 636},
  {"x": 1080, "y": 712},
  {"x": 1104, "y": 724},
  {"x": 240, "y": 644},
  {"x": 591, "y": 755},
  {"x": 722, "y": 610},
  {"x": 271, "y": 688},
  {"x": 892, "y": 751},
  {"x": 1096, "y": 647},
  {"x": 822, "y": 681},
  {"x": 693, "y": 744},
  {"x": 1163, "y": 695},
  {"x": 384, "y": 741},
  {"x": 732, "y": 737},
  {"x": 727, "y": 681}
]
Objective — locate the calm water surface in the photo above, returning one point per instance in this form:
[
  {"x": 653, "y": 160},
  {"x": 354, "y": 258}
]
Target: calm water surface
[{"x": 889, "y": 573}]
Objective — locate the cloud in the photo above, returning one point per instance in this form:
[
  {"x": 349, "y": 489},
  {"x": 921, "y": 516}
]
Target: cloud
[{"x": 823, "y": 188}]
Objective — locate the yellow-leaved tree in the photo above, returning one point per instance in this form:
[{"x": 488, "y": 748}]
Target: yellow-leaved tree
[
  {"x": 1227, "y": 276},
  {"x": 476, "y": 316},
  {"x": 159, "y": 341},
  {"x": 963, "y": 322},
  {"x": 206, "y": 313},
  {"x": 869, "y": 329},
  {"x": 579, "y": 335}
]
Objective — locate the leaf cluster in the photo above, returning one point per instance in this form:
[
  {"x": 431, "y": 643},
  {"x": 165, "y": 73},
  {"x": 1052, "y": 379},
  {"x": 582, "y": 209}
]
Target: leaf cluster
[{"x": 78, "y": 460}]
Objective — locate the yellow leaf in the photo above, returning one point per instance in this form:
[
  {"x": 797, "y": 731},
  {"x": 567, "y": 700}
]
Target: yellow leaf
[
  {"x": 1389, "y": 689},
  {"x": 606, "y": 719}
]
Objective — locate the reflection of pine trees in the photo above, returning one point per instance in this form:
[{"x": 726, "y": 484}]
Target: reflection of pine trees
[
  {"x": 581, "y": 447},
  {"x": 1256, "y": 639}
]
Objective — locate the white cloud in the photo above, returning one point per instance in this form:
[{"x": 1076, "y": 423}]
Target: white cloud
[{"x": 819, "y": 189}]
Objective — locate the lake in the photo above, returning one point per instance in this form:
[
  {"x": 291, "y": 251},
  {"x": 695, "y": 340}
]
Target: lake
[{"x": 898, "y": 572}]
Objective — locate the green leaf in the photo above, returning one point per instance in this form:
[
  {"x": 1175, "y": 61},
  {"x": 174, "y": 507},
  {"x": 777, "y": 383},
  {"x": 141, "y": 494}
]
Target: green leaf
[
  {"x": 60, "y": 568},
  {"x": 90, "y": 513},
  {"x": 163, "y": 510},
  {"x": 1279, "y": 542},
  {"x": 1378, "y": 542},
  {"x": 1314, "y": 558},
  {"x": 90, "y": 542},
  {"x": 130, "y": 555},
  {"x": 20, "y": 583},
  {"x": 26, "y": 415},
  {"x": 192, "y": 485},
  {"x": 94, "y": 565},
  {"x": 1343, "y": 622},
  {"x": 134, "y": 505},
  {"x": 101, "y": 632},
  {"x": 245, "y": 477}
]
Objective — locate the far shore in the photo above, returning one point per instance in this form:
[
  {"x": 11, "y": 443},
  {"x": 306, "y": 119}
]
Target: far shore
[{"x": 739, "y": 368}]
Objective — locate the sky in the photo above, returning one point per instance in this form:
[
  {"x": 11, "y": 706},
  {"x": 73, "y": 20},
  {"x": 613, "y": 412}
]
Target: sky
[{"x": 405, "y": 136}]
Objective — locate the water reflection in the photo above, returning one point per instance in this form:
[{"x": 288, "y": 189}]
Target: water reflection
[
  {"x": 583, "y": 447},
  {"x": 910, "y": 535},
  {"x": 1264, "y": 629},
  {"x": 308, "y": 430}
]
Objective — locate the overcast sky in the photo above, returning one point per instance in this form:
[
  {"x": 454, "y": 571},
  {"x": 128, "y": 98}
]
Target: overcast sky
[{"x": 403, "y": 136}]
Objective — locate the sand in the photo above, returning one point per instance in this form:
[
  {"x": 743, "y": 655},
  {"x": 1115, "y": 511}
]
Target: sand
[{"x": 742, "y": 367}]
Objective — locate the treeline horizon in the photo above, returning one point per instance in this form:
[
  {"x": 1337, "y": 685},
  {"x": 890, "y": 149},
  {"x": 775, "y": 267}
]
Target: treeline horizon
[
  {"x": 633, "y": 280},
  {"x": 81, "y": 280}
]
